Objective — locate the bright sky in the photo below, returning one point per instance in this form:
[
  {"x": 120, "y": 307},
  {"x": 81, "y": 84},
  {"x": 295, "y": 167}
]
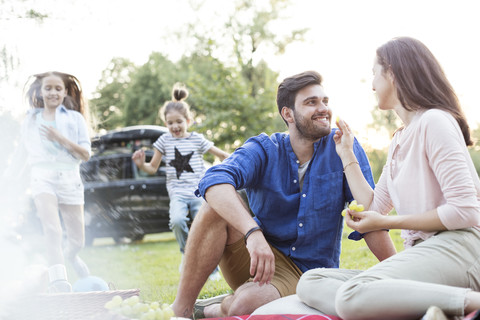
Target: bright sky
[{"x": 82, "y": 38}]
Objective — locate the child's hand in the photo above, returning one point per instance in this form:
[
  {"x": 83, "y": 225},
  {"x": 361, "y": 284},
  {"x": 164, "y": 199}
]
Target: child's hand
[
  {"x": 50, "y": 133},
  {"x": 139, "y": 158}
]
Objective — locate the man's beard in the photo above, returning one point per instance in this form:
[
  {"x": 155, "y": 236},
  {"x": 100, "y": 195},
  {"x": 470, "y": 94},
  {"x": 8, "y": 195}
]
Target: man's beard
[{"x": 308, "y": 130}]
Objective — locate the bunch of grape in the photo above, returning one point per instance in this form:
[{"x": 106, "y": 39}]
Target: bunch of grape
[
  {"x": 353, "y": 206},
  {"x": 134, "y": 309}
]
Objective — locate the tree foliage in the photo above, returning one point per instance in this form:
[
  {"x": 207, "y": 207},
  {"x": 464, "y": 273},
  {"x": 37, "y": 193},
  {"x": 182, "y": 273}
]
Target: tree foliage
[
  {"x": 108, "y": 104},
  {"x": 385, "y": 120},
  {"x": 10, "y": 13},
  {"x": 232, "y": 100},
  {"x": 475, "y": 150}
]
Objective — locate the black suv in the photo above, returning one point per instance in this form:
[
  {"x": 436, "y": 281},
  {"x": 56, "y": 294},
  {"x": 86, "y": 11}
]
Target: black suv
[{"x": 120, "y": 200}]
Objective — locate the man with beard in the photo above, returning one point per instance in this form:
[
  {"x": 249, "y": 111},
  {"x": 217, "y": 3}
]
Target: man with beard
[{"x": 296, "y": 190}]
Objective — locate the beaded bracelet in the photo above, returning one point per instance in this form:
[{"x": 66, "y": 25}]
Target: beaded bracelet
[
  {"x": 249, "y": 232},
  {"x": 353, "y": 162}
]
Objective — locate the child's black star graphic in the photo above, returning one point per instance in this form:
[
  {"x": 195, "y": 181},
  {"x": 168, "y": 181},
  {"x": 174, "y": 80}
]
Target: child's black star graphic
[{"x": 181, "y": 163}]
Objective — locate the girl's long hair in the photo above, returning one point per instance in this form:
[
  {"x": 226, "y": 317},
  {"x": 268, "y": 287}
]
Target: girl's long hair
[
  {"x": 74, "y": 99},
  {"x": 420, "y": 80}
]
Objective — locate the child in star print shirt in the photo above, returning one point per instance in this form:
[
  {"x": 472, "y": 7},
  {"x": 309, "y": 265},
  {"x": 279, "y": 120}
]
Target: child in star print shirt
[{"x": 183, "y": 152}]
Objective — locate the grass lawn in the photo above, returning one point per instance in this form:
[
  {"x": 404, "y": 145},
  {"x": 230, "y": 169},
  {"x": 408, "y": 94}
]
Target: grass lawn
[{"x": 152, "y": 265}]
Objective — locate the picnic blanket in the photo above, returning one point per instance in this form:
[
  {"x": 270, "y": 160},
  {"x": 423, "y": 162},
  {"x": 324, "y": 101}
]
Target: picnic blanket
[
  {"x": 280, "y": 317},
  {"x": 286, "y": 308}
]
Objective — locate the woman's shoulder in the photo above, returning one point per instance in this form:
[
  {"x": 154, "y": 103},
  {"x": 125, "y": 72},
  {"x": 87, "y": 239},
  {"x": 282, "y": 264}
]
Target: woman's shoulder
[
  {"x": 433, "y": 116},
  {"x": 438, "y": 124}
]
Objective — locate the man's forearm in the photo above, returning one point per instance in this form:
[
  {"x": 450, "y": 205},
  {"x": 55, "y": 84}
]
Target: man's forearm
[
  {"x": 380, "y": 243},
  {"x": 223, "y": 198}
]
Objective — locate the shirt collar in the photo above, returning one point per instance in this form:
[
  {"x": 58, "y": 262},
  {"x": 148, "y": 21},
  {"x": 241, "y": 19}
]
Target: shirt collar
[
  {"x": 293, "y": 156},
  {"x": 62, "y": 108}
]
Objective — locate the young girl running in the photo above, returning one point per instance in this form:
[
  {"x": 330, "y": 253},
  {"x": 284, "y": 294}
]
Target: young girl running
[
  {"x": 54, "y": 141},
  {"x": 183, "y": 152}
]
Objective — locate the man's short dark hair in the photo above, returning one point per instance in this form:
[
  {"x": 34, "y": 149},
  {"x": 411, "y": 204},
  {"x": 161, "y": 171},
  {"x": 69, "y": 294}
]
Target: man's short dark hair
[{"x": 288, "y": 89}]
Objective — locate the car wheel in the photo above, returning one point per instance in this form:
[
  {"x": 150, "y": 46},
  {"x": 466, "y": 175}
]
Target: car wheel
[
  {"x": 138, "y": 237},
  {"x": 119, "y": 239}
]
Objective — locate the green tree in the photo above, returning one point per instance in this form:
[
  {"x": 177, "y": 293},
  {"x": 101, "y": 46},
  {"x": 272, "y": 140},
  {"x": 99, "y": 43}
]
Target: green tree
[
  {"x": 249, "y": 29},
  {"x": 11, "y": 12},
  {"x": 475, "y": 150},
  {"x": 107, "y": 106},
  {"x": 377, "y": 159},
  {"x": 226, "y": 112},
  {"x": 385, "y": 120},
  {"x": 232, "y": 100},
  {"x": 150, "y": 87}
]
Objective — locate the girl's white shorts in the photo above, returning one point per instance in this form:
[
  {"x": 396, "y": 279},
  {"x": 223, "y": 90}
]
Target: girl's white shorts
[{"x": 66, "y": 185}]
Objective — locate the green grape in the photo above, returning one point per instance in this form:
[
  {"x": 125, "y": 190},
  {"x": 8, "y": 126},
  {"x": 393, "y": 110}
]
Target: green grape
[
  {"x": 126, "y": 310},
  {"x": 117, "y": 300},
  {"x": 110, "y": 305},
  {"x": 159, "y": 314},
  {"x": 353, "y": 205},
  {"x": 132, "y": 307},
  {"x": 165, "y": 306},
  {"x": 139, "y": 308},
  {"x": 168, "y": 313},
  {"x": 114, "y": 303},
  {"x": 133, "y": 300}
]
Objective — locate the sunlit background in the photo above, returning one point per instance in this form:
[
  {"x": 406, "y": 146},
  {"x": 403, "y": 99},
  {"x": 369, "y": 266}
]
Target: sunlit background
[{"x": 81, "y": 37}]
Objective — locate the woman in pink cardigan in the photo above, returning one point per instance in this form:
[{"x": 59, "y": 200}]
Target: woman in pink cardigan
[{"x": 430, "y": 180}]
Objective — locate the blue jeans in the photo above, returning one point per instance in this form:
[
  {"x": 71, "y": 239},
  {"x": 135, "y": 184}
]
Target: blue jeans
[{"x": 179, "y": 209}]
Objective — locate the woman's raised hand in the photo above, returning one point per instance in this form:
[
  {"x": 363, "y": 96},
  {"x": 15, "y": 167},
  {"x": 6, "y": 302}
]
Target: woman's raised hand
[{"x": 343, "y": 138}]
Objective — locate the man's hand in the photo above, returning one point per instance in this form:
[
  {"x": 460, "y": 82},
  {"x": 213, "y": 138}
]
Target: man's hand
[{"x": 262, "y": 260}]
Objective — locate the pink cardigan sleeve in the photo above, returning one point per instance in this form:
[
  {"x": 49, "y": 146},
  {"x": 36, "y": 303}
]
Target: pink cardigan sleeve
[
  {"x": 451, "y": 164},
  {"x": 382, "y": 202}
]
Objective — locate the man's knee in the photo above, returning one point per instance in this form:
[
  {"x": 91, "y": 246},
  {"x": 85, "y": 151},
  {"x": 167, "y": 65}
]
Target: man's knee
[
  {"x": 207, "y": 219},
  {"x": 248, "y": 297},
  {"x": 206, "y": 213}
]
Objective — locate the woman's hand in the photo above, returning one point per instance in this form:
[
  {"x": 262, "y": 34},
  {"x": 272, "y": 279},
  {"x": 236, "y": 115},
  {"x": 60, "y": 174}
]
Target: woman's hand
[
  {"x": 365, "y": 221},
  {"x": 343, "y": 139}
]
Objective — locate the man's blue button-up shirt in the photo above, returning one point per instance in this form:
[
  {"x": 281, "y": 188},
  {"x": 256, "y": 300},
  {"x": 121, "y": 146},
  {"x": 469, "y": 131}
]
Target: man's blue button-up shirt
[{"x": 305, "y": 225}]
